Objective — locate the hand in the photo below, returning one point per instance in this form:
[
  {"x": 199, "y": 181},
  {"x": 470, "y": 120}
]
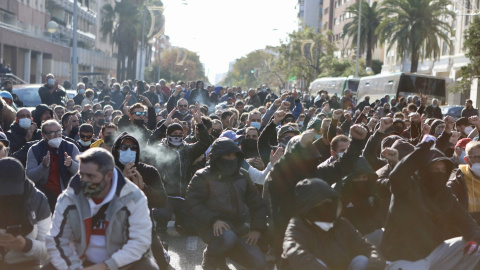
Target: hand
[
  {"x": 285, "y": 106},
  {"x": 358, "y": 132},
  {"x": 366, "y": 110},
  {"x": 220, "y": 226},
  {"x": 146, "y": 101},
  {"x": 11, "y": 242},
  {"x": 474, "y": 120},
  {"x": 278, "y": 116},
  {"x": 68, "y": 160},
  {"x": 284, "y": 96},
  {"x": 277, "y": 102},
  {"x": 252, "y": 237},
  {"x": 471, "y": 248},
  {"x": 307, "y": 138},
  {"x": 348, "y": 116},
  {"x": 137, "y": 179},
  {"x": 337, "y": 114},
  {"x": 168, "y": 121},
  {"x": 426, "y": 128},
  {"x": 178, "y": 89},
  {"x": 325, "y": 124},
  {"x": 295, "y": 94},
  {"x": 372, "y": 123},
  {"x": 98, "y": 266},
  {"x": 449, "y": 123},
  {"x": 46, "y": 160},
  {"x": 128, "y": 170},
  {"x": 455, "y": 136},
  {"x": 30, "y": 131},
  {"x": 415, "y": 118},
  {"x": 275, "y": 157},
  {"x": 385, "y": 123},
  {"x": 198, "y": 114},
  {"x": 127, "y": 98},
  {"x": 390, "y": 154}
]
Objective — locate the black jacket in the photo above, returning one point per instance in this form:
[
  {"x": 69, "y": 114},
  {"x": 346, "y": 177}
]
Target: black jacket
[
  {"x": 199, "y": 95},
  {"x": 459, "y": 189},
  {"x": 154, "y": 189},
  {"x": 39, "y": 110},
  {"x": 52, "y": 98},
  {"x": 212, "y": 197},
  {"x": 418, "y": 223},
  {"x": 16, "y": 136},
  {"x": 78, "y": 98},
  {"x": 305, "y": 243}
]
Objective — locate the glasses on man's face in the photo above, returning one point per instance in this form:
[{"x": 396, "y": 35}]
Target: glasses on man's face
[
  {"x": 124, "y": 147},
  {"x": 140, "y": 113},
  {"x": 88, "y": 137},
  {"x": 54, "y": 133},
  {"x": 182, "y": 106}
]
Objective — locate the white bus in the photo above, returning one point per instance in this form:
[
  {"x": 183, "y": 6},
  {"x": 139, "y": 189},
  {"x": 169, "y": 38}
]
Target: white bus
[{"x": 334, "y": 85}]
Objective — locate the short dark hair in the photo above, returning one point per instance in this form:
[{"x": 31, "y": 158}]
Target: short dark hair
[
  {"x": 207, "y": 122},
  {"x": 110, "y": 125},
  {"x": 338, "y": 139},
  {"x": 89, "y": 93},
  {"x": 66, "y": 116},
  {"x": 86, "y": 128},
  {"x": 99, "y": 156},
  {"x": 226, "y": 114},
  {"x": 411, "y": 107},
  {"x": 136, "y": 106},
  {"x": 7, "y": 82}
]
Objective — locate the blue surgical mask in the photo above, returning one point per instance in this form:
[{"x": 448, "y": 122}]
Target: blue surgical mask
[
  {"x": 127, "y": 156},
  {"x": 318, "y": 136},
  {"x": 81, "y": 91},
  {"x": 461, "y": 158},
  {"x": 50, "y": 81},
  {"x": 256, "y": 125},
  {"x": 157, "y": 110}
]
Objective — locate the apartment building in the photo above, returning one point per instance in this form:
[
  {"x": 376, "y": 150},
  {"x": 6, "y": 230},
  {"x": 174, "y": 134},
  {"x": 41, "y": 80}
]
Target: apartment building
[{"x": 310, "y": 14}]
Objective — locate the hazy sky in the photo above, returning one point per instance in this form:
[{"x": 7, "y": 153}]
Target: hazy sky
[{"x": 221, "y": 31}]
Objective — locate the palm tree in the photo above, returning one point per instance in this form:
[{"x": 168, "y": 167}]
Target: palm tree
[
  {"x": 123, "y": 24},
  {"x": 371, "y": 18},
  {"x": 416, "y": 28}
]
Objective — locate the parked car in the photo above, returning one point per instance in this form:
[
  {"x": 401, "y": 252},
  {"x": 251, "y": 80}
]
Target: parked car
[
  {"x": 454, "y": 111},
  {"x": 28, "y": 94}
]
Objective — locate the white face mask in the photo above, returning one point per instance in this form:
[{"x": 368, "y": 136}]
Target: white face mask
[
  {"x": 475, "y": 169},
  {"x": 55, "y": 142},
  {"x": 25, "y": 123},
  {"x": 256, "y": 125},
  {"x": 467, "y": 130},
  {"x": 340, "y": 155},
  {"x": 127, "y": 156},
  {"x": 326, "y": 226},
  {"x": 85, "y": 143}
]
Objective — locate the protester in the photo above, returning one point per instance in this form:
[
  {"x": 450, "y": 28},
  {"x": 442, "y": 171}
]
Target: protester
[
  {"x": 85, "y": 133},
  {"x": 51, "y": 93},
  {"x": 70, "y": 125},
  {"x": 116, "y": 228},
  {"x": 25, "y": 219},
  {"x": 469, "y": 111},
  {"x": 23, "y": 130}
]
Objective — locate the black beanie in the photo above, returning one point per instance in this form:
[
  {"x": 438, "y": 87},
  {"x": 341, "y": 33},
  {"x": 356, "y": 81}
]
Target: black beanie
[
  {"x": 13, "y": 181},
  {"x": 172, "y": 127}
]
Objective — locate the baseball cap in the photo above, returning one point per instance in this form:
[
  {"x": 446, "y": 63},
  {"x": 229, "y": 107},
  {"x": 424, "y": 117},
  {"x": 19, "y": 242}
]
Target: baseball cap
[
  {"x": 231, "y": 135},
  {"x": 286, "y": 129},
  {"x": 4, "y": 139},
  {"x": 5, "y": 94},
  {"x": 463, "y": 142}
]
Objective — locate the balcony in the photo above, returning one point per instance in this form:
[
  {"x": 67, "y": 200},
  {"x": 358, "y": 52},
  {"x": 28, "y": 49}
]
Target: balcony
[
  {"x": 97, "y": 59},
  {"x": 83, "y": 12},
  {"x": 87, "y": 38}
]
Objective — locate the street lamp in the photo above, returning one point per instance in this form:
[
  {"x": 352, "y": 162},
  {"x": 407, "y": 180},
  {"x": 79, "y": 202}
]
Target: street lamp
[{"x": 52, "y": 28}]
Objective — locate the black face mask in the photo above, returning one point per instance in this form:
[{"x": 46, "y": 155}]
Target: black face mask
[
  {"x": 327, "y": 212},
  {"x": 108, "y": 140},
  {"x": 138, "y": 122},
  {"x": 227, "y": 167},
  {"x": 249, "y": 147},
  {"x": 14, "y": 212},
  {"x": 434, "y": 182},
  {"x": 216, "y": 133},
  {"x": 74, "y": 131},
  {"x": 101, "y": 122}
]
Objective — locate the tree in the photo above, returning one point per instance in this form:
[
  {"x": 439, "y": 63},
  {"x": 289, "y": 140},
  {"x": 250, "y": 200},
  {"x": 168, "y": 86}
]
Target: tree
[
  {"x": 371, "y": 18},
  {"x": 190, "y": 70},
  {"x": 414, "y": 27},
  {"x": 252, "y": 70},
  {"x": 472, "y": 48}
]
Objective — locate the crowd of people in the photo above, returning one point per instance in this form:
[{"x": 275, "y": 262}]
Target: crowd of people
[{"x": 290, "y": 181}]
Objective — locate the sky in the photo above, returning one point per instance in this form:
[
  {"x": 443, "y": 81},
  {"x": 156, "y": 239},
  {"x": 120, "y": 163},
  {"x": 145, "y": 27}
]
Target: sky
[{"x": 221, "y": 31}]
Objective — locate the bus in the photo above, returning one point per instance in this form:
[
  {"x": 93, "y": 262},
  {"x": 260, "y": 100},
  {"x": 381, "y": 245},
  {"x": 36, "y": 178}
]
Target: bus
[
  {"x": 334, "y": 85},
  {"x": 398, "y": 85}
]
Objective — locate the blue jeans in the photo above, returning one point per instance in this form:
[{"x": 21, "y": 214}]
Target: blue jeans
[{"x": 236, "y": 248}]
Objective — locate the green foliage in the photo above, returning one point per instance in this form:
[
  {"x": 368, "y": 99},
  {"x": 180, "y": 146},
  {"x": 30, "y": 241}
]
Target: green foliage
[
  {"x": 371, "y": 18},
  {"x": 376, "y": 66},
  {"x": 191, "y": 69},
  {"x": 414, "y": 27},
  {"x": 472, "y": 48}
]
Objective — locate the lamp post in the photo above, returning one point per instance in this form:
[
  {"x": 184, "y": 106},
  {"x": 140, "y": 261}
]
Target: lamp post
[
  {"x": 74, "y": 47},
  {"x": 142, "y": 46},
  {"x": 359, "y": 30},
  {"x": 52, "y": 28}
]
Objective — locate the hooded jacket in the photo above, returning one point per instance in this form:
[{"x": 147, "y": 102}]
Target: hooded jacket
[
  {"x": 199, "y": 95},
  {"x": 305, "y": 243},
  {"x": 16, "y": 136},
  {"x": 361, "y": 206},
  {"x": 52, "y": 98},
  {"x": 417, "y": 223},
  {"x": 175, "y": 163},
  {"x": 212, "y": 197},
  {"x": 154, "y": 189},
  {"x": 457, "y": 184},
  {"x": 128, "y": 234},
  {"x": 39, "y": 110}
]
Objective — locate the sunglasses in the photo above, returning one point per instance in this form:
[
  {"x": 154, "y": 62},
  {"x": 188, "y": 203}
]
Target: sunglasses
[
  {"x": 140, "y": 113},
  {"x": 124, "y": 147},
  {"x": 182, "y": 106},
  {"x": 82, "y": 136}
]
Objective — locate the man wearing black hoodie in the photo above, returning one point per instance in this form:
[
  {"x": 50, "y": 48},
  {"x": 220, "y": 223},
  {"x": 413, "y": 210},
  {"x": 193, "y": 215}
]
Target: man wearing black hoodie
[
  {"x": 424, "y": 215},
  {"x": 199, "y": 95},
  {"x": 42, "y": 113},
  {"x": 318, "y": 238},
  {"x": 218, "y": 198}
]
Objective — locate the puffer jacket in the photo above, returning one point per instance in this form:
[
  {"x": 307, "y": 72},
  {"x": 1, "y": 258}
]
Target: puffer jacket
[
  {"x": 417, "y": 223},
  {"x": 39, "y": 216},
  {"x": 154, "y": 189},
  {"x": 212, "y": 197},
  {"x": 305, "y": 243},
  {"x": 175, "y": 163},
  {"x": 361, "y": 206},
  {"x": 16, "y": 136},
  {"x": 128, "y": 235}
]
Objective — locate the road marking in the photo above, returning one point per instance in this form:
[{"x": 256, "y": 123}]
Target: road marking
[{"x": 192, "y": 242}]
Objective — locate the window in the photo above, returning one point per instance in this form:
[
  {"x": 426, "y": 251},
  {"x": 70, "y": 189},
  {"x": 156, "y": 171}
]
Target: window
[
  {"x": 336, "y": 4},
  {"x": 325, "y": 11},
  {"x": 335, "y": 21}
]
